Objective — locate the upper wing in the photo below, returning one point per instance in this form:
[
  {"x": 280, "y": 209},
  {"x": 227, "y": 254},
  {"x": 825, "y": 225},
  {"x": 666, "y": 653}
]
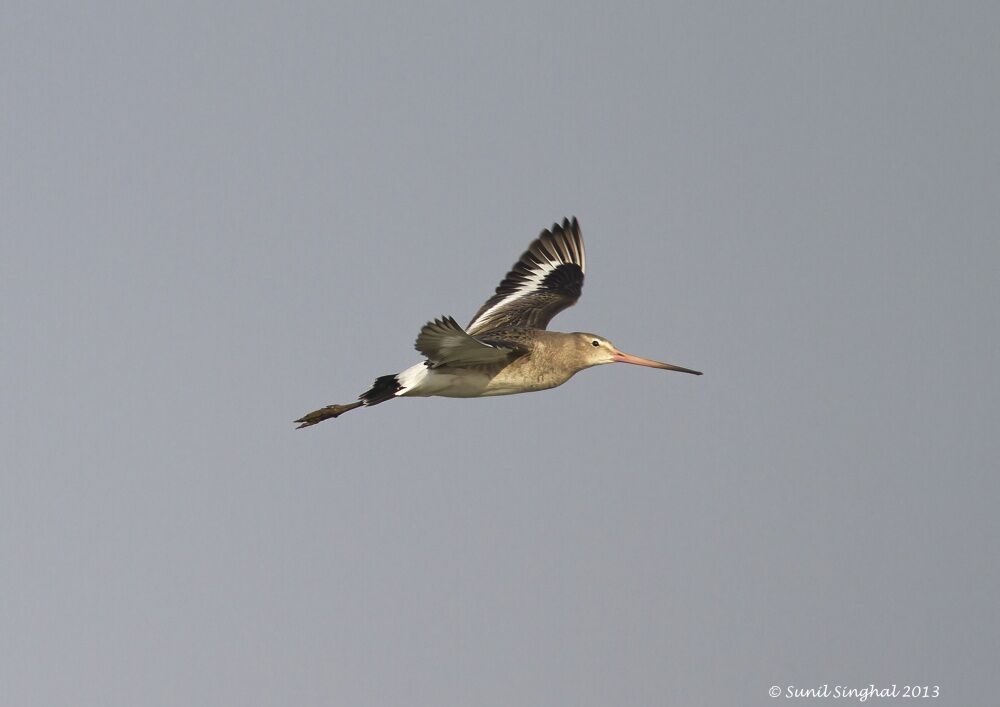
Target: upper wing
[
  {"x": 444, "y": 342},
  {"x": 546, "y": 280}
]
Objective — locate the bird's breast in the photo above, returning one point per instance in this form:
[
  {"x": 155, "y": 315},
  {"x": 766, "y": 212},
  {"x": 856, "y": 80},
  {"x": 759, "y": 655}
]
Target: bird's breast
[{"x": 526, "y": 375}]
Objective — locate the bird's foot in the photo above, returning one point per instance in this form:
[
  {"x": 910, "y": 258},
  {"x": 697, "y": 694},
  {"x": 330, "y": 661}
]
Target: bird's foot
[{"x": 329, "y": 411}]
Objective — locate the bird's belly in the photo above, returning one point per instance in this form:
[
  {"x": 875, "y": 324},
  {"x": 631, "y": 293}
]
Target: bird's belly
[
  {"x": 523, "y": 379},
  {"x": 478, "y": 383},
  {"x": 460, "y": 383}
]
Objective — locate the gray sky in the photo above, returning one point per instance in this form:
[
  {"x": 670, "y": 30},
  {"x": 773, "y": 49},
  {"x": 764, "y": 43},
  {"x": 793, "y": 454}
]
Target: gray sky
[{"x": 217, "y": 219}]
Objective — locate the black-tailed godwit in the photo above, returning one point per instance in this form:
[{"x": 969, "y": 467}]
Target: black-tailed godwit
[{"x": 506, "y": 348}]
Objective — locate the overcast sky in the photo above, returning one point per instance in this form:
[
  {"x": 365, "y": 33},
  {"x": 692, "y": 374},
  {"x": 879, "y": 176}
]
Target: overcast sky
[{"x": 216, "y": 218}]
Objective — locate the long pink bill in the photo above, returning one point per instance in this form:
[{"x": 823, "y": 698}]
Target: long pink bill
[{"x": 639, "y": 361}]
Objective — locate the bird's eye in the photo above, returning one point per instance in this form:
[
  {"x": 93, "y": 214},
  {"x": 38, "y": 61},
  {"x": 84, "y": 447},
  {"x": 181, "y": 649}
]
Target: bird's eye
[{"x": 595, "y": 342}]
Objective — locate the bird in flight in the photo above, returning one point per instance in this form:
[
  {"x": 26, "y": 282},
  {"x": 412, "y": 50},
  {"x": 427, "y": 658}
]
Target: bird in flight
[{"x": 506, "y": 348}]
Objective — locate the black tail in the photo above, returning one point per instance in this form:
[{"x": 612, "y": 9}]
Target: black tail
[{"x": 384, "y": 388}]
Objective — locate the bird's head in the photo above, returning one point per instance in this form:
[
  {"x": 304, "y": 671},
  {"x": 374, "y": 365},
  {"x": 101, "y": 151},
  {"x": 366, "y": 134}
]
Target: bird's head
[{"x": 595, "y": 350}]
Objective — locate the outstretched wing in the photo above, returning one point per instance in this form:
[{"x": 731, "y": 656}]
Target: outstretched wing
[
  {"x": 445, "y": 343},
  {"x": 545, "y": 281}
]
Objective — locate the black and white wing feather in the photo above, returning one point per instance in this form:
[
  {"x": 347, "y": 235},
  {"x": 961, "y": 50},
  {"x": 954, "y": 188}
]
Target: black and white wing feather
[
  {"x": 547, "y": 279},
  {"x": 445, "y": 343}
]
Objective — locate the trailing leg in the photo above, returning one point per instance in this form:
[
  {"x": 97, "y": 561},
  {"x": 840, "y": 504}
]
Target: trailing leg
[
  {"x": 329, "y": 411},
  {"x": 384, "y": 388}
]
